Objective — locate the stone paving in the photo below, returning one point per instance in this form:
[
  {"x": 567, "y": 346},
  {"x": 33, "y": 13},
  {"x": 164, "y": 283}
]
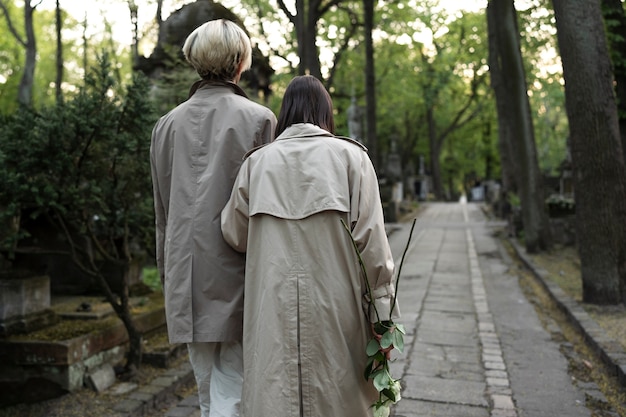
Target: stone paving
[
  {"x": 455, "y": 365},
  {"x": 474, "y": 346}
]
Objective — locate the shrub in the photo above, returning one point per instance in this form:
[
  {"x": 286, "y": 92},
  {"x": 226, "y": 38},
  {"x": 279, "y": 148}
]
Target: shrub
[
  {"x": 560, "y": 205},
  {"x": 82, "y": 166},
  {"x": 76, "y": 180}
]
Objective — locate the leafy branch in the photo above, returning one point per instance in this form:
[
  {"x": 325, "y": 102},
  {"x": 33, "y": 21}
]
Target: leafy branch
[{"x": 387, "y": 336}]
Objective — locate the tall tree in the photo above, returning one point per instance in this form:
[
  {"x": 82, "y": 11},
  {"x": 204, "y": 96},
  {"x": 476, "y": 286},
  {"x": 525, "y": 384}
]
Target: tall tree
[
  {"x": 306, "y": 21},
  {"x": 440, "y": 82},
  {"x": 59, "y": 55},
  {"x": 509, "y": 64},
  {"x": 615, "y": 22},
  {"x": 370, "y": 84},
  {"x": 437, "y": 135},
  {"x": 597, "y": 157},
  {"x": 133, "y": 8},
  {"x": 503, "y": 108},
  {"x": 25, "y": 91}
]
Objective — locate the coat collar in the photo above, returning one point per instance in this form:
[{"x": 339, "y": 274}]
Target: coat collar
[
  {"x": 202, "y": 83},
  {"x": 305, "y": 130},
  {"x": 302, "y": 130}
]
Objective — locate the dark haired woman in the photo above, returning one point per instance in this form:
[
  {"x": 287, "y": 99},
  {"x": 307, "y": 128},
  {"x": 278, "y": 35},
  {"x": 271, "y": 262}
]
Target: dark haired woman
[{"x": 305, "y": 326}]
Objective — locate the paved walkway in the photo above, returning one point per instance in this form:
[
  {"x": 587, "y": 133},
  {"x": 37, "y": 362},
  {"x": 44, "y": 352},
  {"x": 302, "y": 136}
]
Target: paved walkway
[
  {"x": 477, "y": 347},
  {"x": 474, "y": 344}
]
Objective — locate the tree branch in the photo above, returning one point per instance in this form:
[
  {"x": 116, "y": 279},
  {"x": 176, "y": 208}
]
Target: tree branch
[
  {"x": 354, "y": 24},
  {"x": 10, "y": 24},
  {"x": 326, "y": 7},
  {"x": 457, "y": 122},
  {"x": 285, "y": 10}
]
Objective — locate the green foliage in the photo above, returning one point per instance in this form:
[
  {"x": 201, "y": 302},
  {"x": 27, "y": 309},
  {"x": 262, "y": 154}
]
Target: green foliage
[
  {"x": 152, "y": 278},
  {"x": 560, "y": 205},
  {"x": 82, "y": 167},
  {"x": 12, "y": 55},
  {"x": 514, "y": 200},
  {"x": 545, "y": 84},
  {"x": 11, "y": 61},
  {"x": 173, "y": 87}
]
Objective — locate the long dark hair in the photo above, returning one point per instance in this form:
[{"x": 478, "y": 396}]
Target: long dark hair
[{"x": 306, "y": 101}]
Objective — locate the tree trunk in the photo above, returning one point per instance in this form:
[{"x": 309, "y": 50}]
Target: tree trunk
[
  {"x": 59, "y": 57},
  {"x": 507, "y": 161},
  {"x": 135, "y": 338},
  {"x": 133, "y": 8},
  {"x": 85, "y": 45},
  {"x": 615, "y": 17},
  {"x": 311, "y": 50},
  {"x": 25, "y": 91},
  {"x": 122, "y": 309},
  {"x": 305, "y": 23},
  {"x": 299, "y": 23},
  {"x": 537, "y": 234},
  {"x": 597, "y": 158},
  {"x": 370, "y": 84},
  {"x": 433, "y": 145}
]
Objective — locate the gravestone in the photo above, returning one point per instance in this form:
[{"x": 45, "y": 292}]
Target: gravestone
[
  {"x": 24, "y": 304},
  {"x": 393, "y": 180},
  {"x": 422, "y": 182},
  {"x": 355, "y": 121}
]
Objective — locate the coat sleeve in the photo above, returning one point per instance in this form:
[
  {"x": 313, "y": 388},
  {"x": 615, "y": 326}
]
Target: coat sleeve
[
  {"x": 235, "y": 215},
  {"x": 368, "y": 231},
  {"x": 160, "y": 219}
]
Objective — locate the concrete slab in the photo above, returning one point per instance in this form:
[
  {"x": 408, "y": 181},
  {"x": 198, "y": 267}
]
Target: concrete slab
[
  {"x": 101, "y": 378},
  {"x": 454, "y": 391},
  {"x": 413, "y": 408}
]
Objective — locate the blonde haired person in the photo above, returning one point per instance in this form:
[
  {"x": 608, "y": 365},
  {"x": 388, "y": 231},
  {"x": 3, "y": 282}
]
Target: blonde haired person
[{"x": 196, "y": 152}]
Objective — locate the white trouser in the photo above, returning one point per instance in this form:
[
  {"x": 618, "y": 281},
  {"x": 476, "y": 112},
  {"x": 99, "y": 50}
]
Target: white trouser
[{"x": 218, "y": 368}]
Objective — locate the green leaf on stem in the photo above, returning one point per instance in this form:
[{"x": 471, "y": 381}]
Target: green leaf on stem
[
  {"x": 381, "y": 380},
  {"x": 372, "y": 347},
  {"x": 400, "y": 328},
  {"x": 398, "y": 341},
  {"x": 382, "y": 326},
  {"x": 387, "y": 339}
]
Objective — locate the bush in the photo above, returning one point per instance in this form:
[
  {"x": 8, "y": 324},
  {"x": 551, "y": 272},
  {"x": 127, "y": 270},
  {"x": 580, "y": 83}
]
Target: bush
[
  {"x": 76, "y": 182},
  {"x": 152, "y": 278},
  {"x": 560, "y": 205},
  {"x": 83, "y": 169}
]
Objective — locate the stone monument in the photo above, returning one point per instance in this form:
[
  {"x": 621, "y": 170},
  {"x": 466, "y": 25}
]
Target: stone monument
[{"x": 355, "y": 121}]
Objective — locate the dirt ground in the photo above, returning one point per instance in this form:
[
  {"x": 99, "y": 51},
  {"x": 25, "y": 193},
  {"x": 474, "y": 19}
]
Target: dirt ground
[{"x": 563, "y": 265}]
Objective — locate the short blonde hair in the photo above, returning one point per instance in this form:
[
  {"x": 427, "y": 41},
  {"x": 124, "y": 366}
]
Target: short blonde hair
[{"x": 218, "y": 49}]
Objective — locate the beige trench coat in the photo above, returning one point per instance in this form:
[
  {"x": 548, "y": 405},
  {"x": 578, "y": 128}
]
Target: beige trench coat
[
  {"x": 196, "y": 151},
  {"x": 305, "y": 328}
]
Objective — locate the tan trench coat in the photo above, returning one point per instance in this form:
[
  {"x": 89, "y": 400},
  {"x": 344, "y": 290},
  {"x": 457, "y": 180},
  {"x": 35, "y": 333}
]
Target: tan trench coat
[
  {"x": 305, "y": 329},
  {"x": 196, "y": 151}
]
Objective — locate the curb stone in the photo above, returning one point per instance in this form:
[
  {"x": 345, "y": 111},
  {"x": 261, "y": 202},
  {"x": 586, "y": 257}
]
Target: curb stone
[
  {"x": 158, "y": 393},
  {"x": 608, "y": 349}
]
